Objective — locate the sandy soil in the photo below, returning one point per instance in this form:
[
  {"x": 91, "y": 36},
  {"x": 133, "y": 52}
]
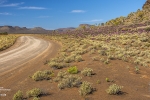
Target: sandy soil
[
  {"x": 136, "y": 86},
  {"x": 21, "y": 60}
]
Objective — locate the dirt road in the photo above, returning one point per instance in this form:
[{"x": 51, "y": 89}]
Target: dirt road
[
  {"x": 28, "y": 48},
  {"x": 22, "y": 60}
]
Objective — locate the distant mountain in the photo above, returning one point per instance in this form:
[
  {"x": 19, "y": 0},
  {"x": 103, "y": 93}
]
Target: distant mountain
[
  {"x": 140, "y": 16},
  {"x": 65, "y": 29},
  {"x": 17, "y": 29}
]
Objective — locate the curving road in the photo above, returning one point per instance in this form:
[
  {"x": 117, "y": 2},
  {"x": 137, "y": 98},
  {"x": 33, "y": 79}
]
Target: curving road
[{"x": 28, "y": 48}]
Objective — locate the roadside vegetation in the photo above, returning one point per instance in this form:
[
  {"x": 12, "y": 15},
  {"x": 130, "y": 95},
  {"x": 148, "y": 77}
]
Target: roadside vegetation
[
  {"x": 7, "y": 40},
  {"x": 91, "y": 56},
  {"x": 72, "y": 64}
]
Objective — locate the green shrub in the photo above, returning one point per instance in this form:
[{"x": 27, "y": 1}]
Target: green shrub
[
  {"x": 36, "y": 92},
  {"x": 107, "y": 80},
  {"x": 85, "y": 88},
  {"x": 114, "y": 89},
  {"x": 18, "y": 95},
  {"x": 73, "y": 70},
  {"x": 69, "y": 81},
  {"x": 87, "y": 72},
  {"x": 41, "y": 75}
]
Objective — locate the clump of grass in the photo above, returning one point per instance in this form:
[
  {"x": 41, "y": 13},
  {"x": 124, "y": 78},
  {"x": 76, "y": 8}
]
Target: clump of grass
[
  {"x": 137, "y": 69},
  {"x": 42, "y": 75},
  {"x": 73, "y": 70},
  {"x": 107, "y": 61},
  {"x": 98, "y": 81},
  {"x": 18, "y": 95},
  {"x": 85, "y": 89},
  {"x": 107, "y": 80},
  {"x": 87, "y": 72},
  {"x": 114, "y": 89},
  {"x": 36, "y": 92},
  {"x": 95, "y": 58}
]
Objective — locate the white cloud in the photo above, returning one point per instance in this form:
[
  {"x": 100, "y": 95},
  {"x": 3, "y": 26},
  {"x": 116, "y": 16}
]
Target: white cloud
[
  {"x": 94, "y": 20},
  {"x": 5, "y": 13},
  {"x": 34, "y": 8},
  {"x": 12, "y": 4},
  {"x": 78, "y": 11},
  {"x": 43, "y": 16}
]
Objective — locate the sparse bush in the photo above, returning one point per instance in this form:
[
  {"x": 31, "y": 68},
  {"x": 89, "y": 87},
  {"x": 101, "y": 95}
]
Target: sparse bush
[
  {"x": 85, "y": 88},
  {"x": 57, "y": 65},
  {"x": 73, "y": 70},
  {"x": 114, "y": 89},
  {"x": 147, "y": 29},
  {"x": 36, "y": 92},
  {"x": 102, "y": 52},
  {"x": 69, "y": 59},
  {"x": 61, "y": 75},
  {"x": 41, "y": 75},
  {"x": 95, "y": 58},
  {"x": 79, "y": 58},
  {"x": 18, "y": 95},
  {"x": 69, "y": 81},
  {"x": 36, "y": 98},
  {"x": 111, "y": 57},
  {"x": 87, "y": 72},
  {"x": 92, "y": 51}
]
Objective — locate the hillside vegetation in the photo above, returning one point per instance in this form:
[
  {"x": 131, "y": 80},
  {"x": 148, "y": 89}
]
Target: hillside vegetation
[
  {"x": 140, "y": 16},
  {"x": 6, "y": 41}
]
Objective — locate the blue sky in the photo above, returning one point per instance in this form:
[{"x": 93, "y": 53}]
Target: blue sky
[{"x": 53, "y": 14}]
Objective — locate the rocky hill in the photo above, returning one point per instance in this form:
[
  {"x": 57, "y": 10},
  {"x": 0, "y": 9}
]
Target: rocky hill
[
  {"x": 17, "y": 29},
  {"x": 140, "y": 16},
  {"x": 146, "y": 6}
]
